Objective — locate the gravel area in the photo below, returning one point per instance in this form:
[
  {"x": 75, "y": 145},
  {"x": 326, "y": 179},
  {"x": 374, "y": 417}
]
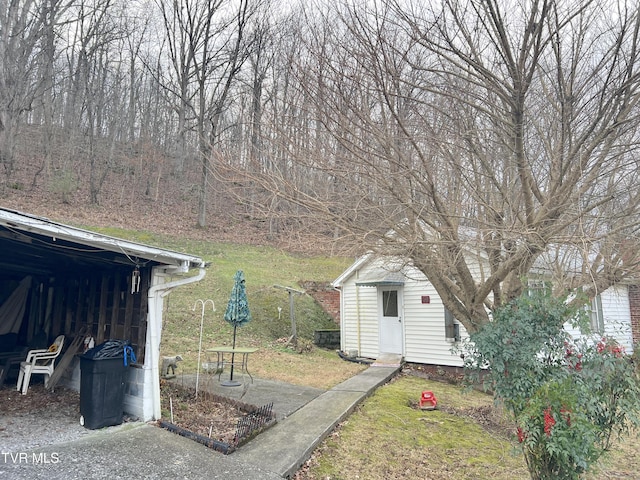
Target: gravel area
[
  {"x": 43, "y": 418},
  {"x": 38, "y": 418}
]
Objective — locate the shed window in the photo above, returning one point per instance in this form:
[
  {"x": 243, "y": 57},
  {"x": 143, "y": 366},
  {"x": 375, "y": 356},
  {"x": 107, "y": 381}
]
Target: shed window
[
  {"x": 390, "y": 303},
  {"x": 538, "y": 287},
  {"x": 451, "y": 327},
  {"x": 596, "y": 316}
]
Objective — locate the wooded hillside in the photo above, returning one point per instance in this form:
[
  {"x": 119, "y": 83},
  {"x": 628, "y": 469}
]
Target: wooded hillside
[{"x": 507, "y": 129}]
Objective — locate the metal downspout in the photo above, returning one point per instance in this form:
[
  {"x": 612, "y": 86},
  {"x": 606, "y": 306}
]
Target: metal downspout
[
  {"x": 343, "y": 334},
  {"x": 156, "y": 293},
  {"x": 358, "y": 319}
]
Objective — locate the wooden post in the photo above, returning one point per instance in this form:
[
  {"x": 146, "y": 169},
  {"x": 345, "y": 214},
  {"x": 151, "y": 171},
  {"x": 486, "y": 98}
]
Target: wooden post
[{"x": 293, "y": 340}]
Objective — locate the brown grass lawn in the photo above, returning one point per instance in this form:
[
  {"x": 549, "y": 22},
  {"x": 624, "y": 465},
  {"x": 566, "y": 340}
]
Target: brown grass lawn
[{"x": 319, "y": 368}]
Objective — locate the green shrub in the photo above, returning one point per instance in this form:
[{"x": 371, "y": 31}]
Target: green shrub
[{"x": 568, "y": 398}]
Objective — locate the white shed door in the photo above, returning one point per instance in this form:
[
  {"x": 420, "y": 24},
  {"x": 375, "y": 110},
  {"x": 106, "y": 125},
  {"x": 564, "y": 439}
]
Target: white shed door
[{"x": 390, "y": 320}]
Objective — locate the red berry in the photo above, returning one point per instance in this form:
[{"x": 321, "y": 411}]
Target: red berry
[{"x": 549, "y": 421}]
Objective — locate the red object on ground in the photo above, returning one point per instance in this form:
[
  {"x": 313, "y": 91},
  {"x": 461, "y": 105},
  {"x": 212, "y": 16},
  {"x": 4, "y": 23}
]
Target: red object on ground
[{"x": 428, "y": 401}]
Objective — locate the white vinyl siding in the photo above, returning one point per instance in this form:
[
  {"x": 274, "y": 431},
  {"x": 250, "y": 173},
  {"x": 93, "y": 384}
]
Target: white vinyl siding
[
  {"x": 424, "y": 337},
  {"x": 424, "y": 324},
  {"x": 616, "y": 317},
  {"x": 359, "y": 322}
]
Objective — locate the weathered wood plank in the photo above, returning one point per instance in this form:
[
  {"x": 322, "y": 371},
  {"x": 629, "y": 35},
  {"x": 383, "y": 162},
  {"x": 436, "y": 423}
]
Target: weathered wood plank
[
  {"x": 91, "y": 308},
  {"x": 103, "y": 332}
]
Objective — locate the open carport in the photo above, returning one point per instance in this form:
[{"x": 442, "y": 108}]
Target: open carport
[{"x": 58, "y": 279}]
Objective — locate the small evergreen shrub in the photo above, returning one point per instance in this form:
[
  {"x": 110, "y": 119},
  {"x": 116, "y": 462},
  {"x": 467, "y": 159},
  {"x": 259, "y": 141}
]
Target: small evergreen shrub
[{"x": 568, "y": 398}]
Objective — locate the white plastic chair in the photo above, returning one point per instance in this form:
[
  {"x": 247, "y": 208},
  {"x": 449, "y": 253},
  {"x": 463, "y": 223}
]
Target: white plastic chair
[{"x": 39, "y": 361}]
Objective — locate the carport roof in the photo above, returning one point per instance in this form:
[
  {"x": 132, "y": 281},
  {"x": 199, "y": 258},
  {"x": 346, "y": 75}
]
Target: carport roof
[{"x": 31, "y": 244}]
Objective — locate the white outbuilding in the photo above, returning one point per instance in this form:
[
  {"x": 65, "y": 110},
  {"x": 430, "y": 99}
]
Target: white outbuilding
[{"x": 389, "y": 306}]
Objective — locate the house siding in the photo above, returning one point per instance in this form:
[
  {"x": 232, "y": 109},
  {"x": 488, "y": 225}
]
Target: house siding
[
  {"x": 360, "y": 332},
  {"x": 616, "y": 315},
  {"x": 423, "y": 323}
]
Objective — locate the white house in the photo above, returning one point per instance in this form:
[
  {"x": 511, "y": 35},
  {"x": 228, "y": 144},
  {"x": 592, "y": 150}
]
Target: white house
[{"x": 388, "y": 306}]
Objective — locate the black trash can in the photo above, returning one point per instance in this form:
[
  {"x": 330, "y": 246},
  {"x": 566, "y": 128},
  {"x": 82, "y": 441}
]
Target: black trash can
[{"x": 102, "y": 381}]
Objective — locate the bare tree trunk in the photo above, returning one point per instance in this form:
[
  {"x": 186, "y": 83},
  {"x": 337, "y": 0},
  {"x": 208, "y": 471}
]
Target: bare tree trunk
[
  {"x": 25, "y": 35},
  {"x": 219, "y": 83}
]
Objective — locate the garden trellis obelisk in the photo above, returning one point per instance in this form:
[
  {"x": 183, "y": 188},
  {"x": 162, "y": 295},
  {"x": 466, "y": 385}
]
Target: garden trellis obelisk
[
  {"x": 213, "y": 307},
  {"x": 237, "y": 313}
]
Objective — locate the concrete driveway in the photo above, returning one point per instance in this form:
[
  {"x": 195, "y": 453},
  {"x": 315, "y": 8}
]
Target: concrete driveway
[{"x": 145, "y": 451}]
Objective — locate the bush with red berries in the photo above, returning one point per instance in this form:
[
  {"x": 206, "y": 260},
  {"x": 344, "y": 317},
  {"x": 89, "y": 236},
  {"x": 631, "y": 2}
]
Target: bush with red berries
[{"x": 569, "y": 399}]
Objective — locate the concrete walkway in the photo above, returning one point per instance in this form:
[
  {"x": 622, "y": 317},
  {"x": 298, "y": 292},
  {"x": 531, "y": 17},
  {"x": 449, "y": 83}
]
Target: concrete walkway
[
  {"x": 143, "y": 451},
  {"x": 286, "y": 398},
  {"x": 283, "y": 448}
]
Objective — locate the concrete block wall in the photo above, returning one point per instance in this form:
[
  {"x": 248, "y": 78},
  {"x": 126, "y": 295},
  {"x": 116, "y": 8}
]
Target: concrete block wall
[
  {"x": 134, "y": 401},
  {"x": 327, "y": 338}
]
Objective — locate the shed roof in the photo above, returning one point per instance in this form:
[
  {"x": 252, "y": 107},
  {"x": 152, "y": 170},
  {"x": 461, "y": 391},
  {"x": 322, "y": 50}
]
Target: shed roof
[
  {"x": 338, "y": 282},
  {"x": 32, "y": 244},
  {"x": 387, "y": 274},
  {"x": 383, "y": 278}
]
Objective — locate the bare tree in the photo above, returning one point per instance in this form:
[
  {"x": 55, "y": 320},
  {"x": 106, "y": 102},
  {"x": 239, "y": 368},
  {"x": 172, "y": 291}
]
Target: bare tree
[
  {"x": 207, "y": 45},
  {"x": 260, "y": 60},
  {"x": 490, "y": 133},
  {"x": 222, "y": 57},
  {"x": 96, "y": 95},
  {"x": 52, "y": 13},
  {"x": 26, "y": 49},
  {"x": 178, "y": 76},
  {"x": 289, "y": 127},
  {"x": 136, "y": 31}
]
